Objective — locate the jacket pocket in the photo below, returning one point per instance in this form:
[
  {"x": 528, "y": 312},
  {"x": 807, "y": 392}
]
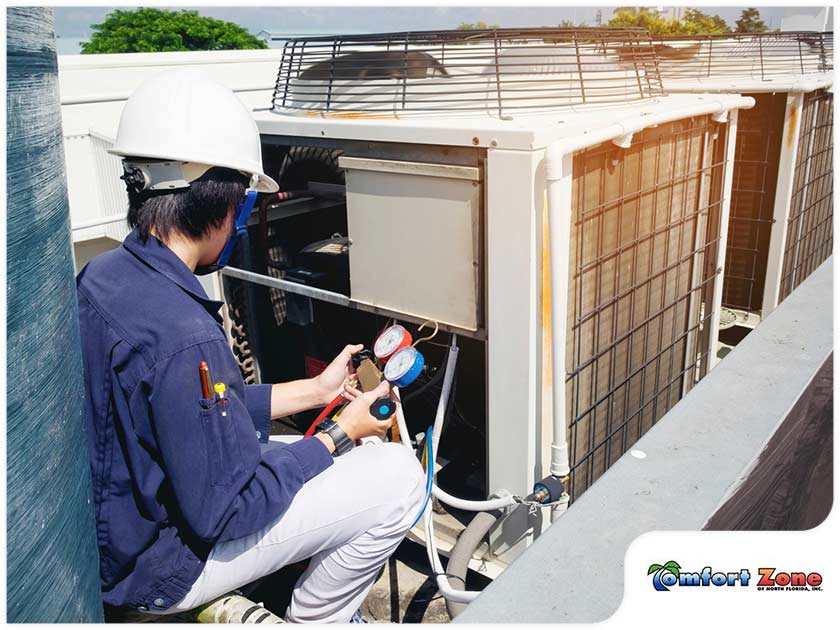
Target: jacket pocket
[{"x": 225, "y": 456}]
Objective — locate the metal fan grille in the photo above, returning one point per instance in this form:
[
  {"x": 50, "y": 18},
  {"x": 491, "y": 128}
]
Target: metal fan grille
[
  {"x": 494, "y": 71},
  {"x": 749, "y": 55}
]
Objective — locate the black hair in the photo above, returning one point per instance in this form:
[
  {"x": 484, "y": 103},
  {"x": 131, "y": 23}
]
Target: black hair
[{"x": 192, "y": 211}]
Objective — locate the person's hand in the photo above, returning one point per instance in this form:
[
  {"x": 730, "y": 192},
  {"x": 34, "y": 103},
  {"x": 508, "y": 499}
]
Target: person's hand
[
  {"x": 338, "y": 376},
  {"x": 355, "y": 418}
]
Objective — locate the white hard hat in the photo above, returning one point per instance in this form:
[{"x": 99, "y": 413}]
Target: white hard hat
[{"x": 183, "y": 115}]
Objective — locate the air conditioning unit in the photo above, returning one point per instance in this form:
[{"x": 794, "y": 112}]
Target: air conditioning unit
[
  {"x": 781, "y": 215},
  {"x": 534, "y": 192}
]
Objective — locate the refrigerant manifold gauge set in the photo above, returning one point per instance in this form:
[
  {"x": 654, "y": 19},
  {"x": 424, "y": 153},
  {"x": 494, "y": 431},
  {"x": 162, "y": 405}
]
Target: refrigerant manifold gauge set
[{"x": 403, "y": 362}]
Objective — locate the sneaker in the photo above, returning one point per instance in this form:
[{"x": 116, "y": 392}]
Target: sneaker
[{"x": 358, "y": 617}]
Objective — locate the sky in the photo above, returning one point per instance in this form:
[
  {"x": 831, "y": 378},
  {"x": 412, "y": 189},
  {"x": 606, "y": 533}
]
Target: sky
[{"x": 72, "y": 24}]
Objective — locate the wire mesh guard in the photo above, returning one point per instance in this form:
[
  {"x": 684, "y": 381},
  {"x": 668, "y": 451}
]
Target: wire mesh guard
[
  {"x": 753, "y": 55},
  {"x": 754, "y": 177},
  {"x": 492, "y": 71},
  {"x": 646, "y": 223},
  {"x": 810, "y": 236}
]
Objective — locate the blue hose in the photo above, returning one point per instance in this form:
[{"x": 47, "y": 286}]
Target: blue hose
[{"x": 430, "y": 473}]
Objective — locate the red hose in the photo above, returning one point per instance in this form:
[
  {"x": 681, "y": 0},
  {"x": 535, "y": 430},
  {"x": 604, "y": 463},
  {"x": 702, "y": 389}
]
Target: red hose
[{"x": 323, "y": 415}]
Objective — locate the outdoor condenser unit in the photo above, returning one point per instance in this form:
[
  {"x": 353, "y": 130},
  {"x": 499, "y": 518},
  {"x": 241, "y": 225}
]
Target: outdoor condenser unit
[
  {"x": 537, "y": 191},
  {"x": 781, "y": 215}
]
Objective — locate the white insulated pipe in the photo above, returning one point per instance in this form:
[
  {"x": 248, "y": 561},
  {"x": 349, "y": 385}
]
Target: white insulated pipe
[
  {"x": 558, "y": 185},
  {"x": 469, "y": 505},
  {"x": 442, "y": 495},
  {"x": 455, "y": 595},
  {"x": 403, "y": 427},
  {"x": 446, "y": 392},
  {"x": 789, "y": 85},
  {"x": 632, "y": 125},
  {"x": 449, "y": 593},
  {"x": 448, "y": 377}
]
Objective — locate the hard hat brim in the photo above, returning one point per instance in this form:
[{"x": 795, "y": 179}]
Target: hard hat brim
[{"x": 265, "y": 184}]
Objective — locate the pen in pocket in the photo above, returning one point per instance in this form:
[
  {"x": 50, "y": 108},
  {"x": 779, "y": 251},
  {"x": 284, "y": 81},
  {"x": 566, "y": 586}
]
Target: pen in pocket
[{"x": 204, "y": 376}]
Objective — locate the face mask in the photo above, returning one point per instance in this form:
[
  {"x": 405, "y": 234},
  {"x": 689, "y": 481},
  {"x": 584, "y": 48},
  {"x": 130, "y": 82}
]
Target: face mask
[{"x": 240, "y": 226}]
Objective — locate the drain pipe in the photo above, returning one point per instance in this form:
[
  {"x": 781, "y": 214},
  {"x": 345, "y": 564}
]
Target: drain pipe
[
  {"x": 449, "y": 374},
  {"x": 558, "y": 176},
  {"x": 461, "y": 554}
]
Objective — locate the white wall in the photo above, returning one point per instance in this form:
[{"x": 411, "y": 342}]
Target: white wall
[
  {"x": 95, "y": 87},
  {"x": 808, "y": 19}
]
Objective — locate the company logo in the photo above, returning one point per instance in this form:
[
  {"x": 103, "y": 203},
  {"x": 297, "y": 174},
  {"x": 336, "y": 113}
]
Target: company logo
[
  {"x": 670, "y": 574},
  {"x": 773, "y": 580}
]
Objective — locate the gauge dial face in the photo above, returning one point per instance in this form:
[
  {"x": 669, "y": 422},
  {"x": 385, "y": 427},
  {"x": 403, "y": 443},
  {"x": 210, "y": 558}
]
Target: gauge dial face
[
  {"x": 399, "y": 364},
  {"x": 388, "y": 342}
]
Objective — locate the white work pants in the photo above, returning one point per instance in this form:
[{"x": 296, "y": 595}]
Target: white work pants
[{"x": 348, "y": 520}]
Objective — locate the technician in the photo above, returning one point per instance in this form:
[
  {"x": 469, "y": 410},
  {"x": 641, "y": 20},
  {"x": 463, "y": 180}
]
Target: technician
[{"x": 188, "y": 504}]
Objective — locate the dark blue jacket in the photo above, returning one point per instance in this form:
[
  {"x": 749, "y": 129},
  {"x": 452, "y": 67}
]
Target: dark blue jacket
[{"x": 171, "y": 475}]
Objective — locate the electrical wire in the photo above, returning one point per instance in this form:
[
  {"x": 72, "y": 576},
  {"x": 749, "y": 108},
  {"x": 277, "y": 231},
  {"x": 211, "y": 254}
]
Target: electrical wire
[{"x": 433, "y": 380}]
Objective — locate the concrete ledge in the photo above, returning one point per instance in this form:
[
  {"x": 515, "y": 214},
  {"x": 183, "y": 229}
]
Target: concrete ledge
[{"x": 697, "y": 457}]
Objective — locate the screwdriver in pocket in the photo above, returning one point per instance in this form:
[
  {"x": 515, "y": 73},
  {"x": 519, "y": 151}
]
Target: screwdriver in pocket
[{"x": 220, "y": 389}]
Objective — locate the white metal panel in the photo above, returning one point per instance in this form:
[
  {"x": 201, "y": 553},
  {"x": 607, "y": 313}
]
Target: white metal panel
[
  {"x": 98, "y": 78},
  {"x": 112, "y": 193},
  {"x": 521, "y": 132},
  {"x": 447, "y": 171},
  {"x": 514, "y": 206},
  {"x": 724, "y": 231},
  {"x": 94, "y": 88},
  {"x": 81, "y": 185},
  {"x": 414, "y": 239},
  {"x": 98, "y": 201},
  {"x": 804, "y": 18},
  {"x": 781, "y": 208},
  {"x": 691, "y": 358}
]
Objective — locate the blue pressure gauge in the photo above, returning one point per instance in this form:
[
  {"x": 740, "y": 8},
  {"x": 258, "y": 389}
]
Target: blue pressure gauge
[{"x": 404, "y": 366}]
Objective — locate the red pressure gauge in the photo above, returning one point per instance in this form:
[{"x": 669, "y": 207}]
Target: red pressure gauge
[{"x": 392, "y": 339}]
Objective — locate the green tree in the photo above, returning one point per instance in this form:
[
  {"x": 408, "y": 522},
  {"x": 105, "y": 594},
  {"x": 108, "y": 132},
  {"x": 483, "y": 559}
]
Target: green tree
[
  {"x": 644, "y": 17},
  {"x": 156, "y": 30},
  {"x": 572, "y": 24},
  {"x": 750, "y": 22},
  {"x": 478, "y": 26},
  {"x": 695, "y": 22}
]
